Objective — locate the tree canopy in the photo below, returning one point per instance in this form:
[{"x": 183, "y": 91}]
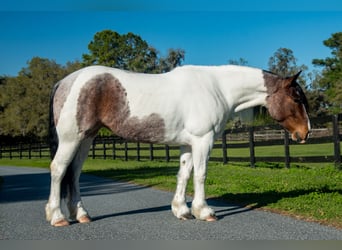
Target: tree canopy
[
  {"x": 129, "y": 52},
  {"x": 25, "y": 99},
  {"x": 330, "y": 81}
]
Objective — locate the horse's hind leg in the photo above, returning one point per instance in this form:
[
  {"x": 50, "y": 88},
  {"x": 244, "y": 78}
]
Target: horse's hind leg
[
  {"x": 179, "y": 207},
  {"x": 58, "y": 167},
  {"x": 75, "y": 205}
]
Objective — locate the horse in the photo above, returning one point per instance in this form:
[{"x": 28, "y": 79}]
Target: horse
[{"x": 188, "y": 106}]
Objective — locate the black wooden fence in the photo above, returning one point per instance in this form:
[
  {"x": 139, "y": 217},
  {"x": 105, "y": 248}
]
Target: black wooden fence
[{"x": 326, "y": 130}]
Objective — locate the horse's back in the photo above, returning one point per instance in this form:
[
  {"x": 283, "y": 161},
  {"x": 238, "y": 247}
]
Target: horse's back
[{"x": 185, "y": 99}]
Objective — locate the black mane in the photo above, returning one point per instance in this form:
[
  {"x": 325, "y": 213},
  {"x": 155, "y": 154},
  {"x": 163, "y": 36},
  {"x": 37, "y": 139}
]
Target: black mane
[{"x": 302, "y": 96}]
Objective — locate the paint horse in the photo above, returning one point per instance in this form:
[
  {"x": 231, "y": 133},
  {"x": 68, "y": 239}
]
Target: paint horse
[{"x": 188, "y": 106}]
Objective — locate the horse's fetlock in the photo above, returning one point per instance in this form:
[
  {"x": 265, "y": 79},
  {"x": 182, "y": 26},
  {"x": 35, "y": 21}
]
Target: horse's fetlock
[
  {"x": 180, "y": 210},
  {"x": 48, "y": 212},
  {"x": 202, "y": 211}
]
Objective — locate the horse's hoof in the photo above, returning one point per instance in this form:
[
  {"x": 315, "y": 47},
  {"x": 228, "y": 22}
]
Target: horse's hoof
[
  {"x": 211, "y": 218},
  {"x": 187, "y": 216},
  {"x": 61, "y": 223},
  {"x": 84, "y": 219}
]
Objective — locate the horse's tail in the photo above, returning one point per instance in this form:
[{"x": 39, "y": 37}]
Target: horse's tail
[{"x": 53, "y": 137}]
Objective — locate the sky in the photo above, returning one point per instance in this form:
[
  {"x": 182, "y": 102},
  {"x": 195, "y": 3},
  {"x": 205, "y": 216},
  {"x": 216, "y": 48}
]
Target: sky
[{"x": 211, "y": 32}]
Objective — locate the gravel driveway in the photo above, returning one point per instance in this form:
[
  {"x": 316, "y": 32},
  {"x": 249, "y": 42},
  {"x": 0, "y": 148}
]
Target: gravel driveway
[{"x": 125, "y": 211}]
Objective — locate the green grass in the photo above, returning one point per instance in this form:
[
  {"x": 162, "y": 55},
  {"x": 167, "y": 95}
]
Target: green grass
[
  {"x": 296, "y": 150},
  {"x": 310, "y": 191}
]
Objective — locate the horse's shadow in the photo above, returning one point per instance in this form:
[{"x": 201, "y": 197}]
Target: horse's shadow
[
  {"x": 221, "y": 213},
  {"x": 245, "y": 202},
  {"x": 131, "y": 212},
  {"x": 227, "y": 205}
]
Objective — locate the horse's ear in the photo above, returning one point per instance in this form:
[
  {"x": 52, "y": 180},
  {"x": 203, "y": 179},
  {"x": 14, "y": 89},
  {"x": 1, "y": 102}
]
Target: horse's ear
[
  {"x": 294, "y": 78},
  {"x": 291, "y": 80}
]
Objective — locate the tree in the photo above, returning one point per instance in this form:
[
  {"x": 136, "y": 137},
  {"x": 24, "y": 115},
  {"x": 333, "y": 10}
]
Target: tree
[
  {"x": 129, "y": 52},
  {"x": 25, "y": 98},
  {"x": 284, "y": 63},
  {"x": 171, "y": 61},
  {"x": 330, "y": 82},
  {"x": 241, "y": 61},
  {"x": 316, "y": 97}
]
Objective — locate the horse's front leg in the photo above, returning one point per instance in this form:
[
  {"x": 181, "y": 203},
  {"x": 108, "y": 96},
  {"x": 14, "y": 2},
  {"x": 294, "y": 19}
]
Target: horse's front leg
[
  {"x": 179, "y": 207},
  {"x": 200, "y": 151}
]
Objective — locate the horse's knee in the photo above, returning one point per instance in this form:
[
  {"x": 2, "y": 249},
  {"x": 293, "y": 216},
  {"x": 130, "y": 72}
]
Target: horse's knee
[{"x": 57, "y": 171}]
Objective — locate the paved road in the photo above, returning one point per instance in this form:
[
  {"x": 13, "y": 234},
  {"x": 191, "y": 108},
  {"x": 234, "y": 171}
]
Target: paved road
[{"x": 125, "y": 211}]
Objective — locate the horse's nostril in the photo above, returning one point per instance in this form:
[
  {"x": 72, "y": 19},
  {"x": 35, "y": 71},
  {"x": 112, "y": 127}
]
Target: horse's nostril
[{"x": 299, "y": 138}]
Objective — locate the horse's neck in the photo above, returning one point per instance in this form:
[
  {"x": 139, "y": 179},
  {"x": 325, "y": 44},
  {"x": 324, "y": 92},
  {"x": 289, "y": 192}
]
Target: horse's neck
[{"x": 243, "y": 87}]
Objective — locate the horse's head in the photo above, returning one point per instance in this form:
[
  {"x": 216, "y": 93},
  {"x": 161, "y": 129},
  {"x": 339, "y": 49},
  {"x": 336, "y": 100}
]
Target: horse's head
[{"x": 288, "y": 105}]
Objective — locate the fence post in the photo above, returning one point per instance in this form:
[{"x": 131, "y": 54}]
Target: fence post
[
  {"x": 104, "y": 148},
  {"x": 20, "y": 150},
  {"x": 40, "y": 150},
  {"x": 151, "y": 152},
  {"x": 224, "y": 147},
  {"x": 251, "y": 146},
  {"x": 336, "y": 139},
  {"x": 126, "y": 151},
  {"x": 30, "y": 150},
  {"x": 93, "y": 148},
  {"x": 167, "y": 153},
  {"x": 113, "y": 148},
  {"x": 138, "y": 151},
  {"x": 287, "y": 149}
]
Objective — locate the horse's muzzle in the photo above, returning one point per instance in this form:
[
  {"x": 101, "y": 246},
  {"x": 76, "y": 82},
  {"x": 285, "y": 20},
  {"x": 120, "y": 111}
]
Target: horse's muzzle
[{"x": 296, "y": 136}]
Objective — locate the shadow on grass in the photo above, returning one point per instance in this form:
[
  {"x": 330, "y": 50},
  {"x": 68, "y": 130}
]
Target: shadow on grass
[{"x": 263, "y": 199}]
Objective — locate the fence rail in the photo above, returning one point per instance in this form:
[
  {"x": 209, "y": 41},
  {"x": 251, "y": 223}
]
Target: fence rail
[{"x": 326, "y": 130}]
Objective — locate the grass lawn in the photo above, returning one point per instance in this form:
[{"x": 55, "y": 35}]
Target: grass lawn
[
  {"x": 296, "y": 150},
  {"x": 311, "y": 191}
]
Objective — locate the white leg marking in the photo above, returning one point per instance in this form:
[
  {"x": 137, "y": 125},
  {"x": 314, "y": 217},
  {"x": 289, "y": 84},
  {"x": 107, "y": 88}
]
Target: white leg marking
[
  {"x": 201, "y": 150},
  {"x": 179, "y": 207},
  {"x": 64, "y": 156}
]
